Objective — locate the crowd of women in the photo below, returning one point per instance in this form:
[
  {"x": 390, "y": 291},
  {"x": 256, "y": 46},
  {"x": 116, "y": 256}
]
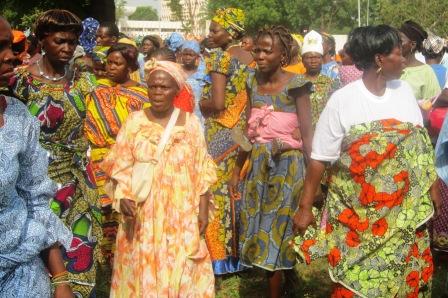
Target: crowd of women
[{"x": 150, "y": 170}]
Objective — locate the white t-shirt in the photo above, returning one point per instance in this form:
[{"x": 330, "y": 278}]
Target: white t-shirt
[{"x": 354, "y": 104}]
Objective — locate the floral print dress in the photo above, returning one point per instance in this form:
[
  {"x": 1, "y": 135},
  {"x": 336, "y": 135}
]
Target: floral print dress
[
  {"x": 373, "y": 228},
  {"x": 164, "y": 255},
  {"x": 60, "y": 110}
]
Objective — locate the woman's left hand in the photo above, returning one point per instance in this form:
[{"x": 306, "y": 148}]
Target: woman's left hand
[
  {"x": 63, "y": 291},
  {"x": 203, "y": 221}
]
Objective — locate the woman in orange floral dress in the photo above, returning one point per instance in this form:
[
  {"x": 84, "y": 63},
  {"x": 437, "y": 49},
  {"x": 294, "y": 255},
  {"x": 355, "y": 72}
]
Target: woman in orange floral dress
[{"x": 160, "y": 250}]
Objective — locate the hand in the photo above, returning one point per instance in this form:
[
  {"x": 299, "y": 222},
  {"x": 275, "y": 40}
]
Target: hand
[
  {"x": 233, "y": 186},
  {"x": 128, "y": 207},
  {"x": 296, "y": 135},
  {"x": 203, "y": 221},
  {"x": 63, "y": 291},
  {"x": 436, "y": 198},
  {"x": 302, "y": 219}
]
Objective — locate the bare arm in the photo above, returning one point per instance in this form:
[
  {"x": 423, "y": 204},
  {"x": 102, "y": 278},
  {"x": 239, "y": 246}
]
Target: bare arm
[
  {"x": 303, "y": 107},
  {"x": 217, "y": 101},
  {"x": 442, "y": 100}
]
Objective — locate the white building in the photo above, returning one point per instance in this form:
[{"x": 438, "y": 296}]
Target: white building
[
  {"x": 192, "y": 11},
  {"x": 141, "y": 28}
]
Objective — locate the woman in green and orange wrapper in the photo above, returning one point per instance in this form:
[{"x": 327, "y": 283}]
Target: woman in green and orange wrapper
[
  {"x": 382, "y": 183},
  {"x": 223, "y": 105}
]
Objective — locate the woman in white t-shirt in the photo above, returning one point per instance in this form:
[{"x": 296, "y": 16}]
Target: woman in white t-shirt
[{"x": 382, "y": 179}]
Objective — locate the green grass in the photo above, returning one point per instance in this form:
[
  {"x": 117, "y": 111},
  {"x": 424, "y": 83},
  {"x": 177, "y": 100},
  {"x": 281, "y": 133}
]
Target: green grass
[{"x": 309, "y": 281}]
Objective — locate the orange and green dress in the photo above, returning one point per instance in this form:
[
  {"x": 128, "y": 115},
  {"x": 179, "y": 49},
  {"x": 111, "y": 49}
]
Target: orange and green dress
[{"x": 222, "y": 232}]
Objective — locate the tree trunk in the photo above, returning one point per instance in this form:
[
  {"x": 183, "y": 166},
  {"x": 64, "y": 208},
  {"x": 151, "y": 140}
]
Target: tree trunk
[{"x": 102, "y": 10}]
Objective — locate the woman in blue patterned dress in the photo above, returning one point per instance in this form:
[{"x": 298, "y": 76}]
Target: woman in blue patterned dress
[{"x": 30, "y": 232}]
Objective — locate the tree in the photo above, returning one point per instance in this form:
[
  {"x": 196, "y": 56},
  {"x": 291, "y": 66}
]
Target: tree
[
  {"x": 186, "y": 12},
  {"x": 431, "y": 14},
  {"x": 144, "y": 13},
  {"x": 334, "y": 16},
  {"x": 22, "y": 13}
]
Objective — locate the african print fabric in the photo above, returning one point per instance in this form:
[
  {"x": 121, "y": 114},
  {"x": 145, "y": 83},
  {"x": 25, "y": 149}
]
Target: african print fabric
[
  {"x": 324, "y": 86},
  {"x": 222, "y": 231},
  {"x": 60, "y": 110},
  {"x": 271, "y": 190},
  {"x": 373, "y": 228}
]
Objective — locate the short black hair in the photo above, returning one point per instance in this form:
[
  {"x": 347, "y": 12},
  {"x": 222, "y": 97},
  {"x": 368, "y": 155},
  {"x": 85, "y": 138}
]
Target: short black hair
[
  {"x": 366, "y": 42},
  {"x": 112, "y": 29},
  {"x": 154, "y": 39},
  {"x": 57, "y": 20},
  {"x": 129, "y": 53},
  {"x": 166, "y": 53},
  {"x": 282, "y": 34}
]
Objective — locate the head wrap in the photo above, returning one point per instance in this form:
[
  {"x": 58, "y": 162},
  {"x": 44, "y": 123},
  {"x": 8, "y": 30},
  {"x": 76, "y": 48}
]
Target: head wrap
[
  {"x": 184, "y": 99},
  {"x": 192, "y": 45},
  {"x": 433, "y": 44},
  {"x": 414, "y": 32},
  {"x": 127, "y": 41},
  {"x": 87, "y": 39},
  {"x": 174, "y": 41},
  {"x": 312, "y": 42},
  {"x": 18, "y": 36},
  {"x": 232, "y": 20},
  {"x": 298, "y": 38}
]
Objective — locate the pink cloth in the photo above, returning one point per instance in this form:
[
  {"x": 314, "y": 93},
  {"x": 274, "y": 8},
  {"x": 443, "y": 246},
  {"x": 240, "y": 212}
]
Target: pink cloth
[
  {"x": 266, "y": 125},
  {"x": 349, "y": 73}
]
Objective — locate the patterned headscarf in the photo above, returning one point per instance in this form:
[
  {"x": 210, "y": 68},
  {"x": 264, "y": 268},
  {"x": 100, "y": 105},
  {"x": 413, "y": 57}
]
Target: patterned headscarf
[
  {"x": 232, "y": 20},
  {"x": 433, "y": 44},
  {"x": 192, "y": 45},
  {"x": 184, "y": 99},
  {"x": 87, "y": 39},
  {"x": 174, "y": 41}
]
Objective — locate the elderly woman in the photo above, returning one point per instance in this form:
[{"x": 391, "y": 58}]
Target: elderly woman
[
  {"x": 31, "y": 233},
  {"x": 223, "y": 103},
  {"x": 373, "y": 227},
  {"x": 162, "y": 173},
  {"x": 55, "y": 96}
]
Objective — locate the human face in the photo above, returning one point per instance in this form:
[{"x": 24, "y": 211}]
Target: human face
[
  {"x": 162, "y": 89},
  {"x": 312, "y": 62},
  {"x": 407, "y": 45},
  {"x": 60, "y": 46},
  {"x": 188, "y": 58},
  {"x": 392, "y": 65},
  {"x": 117, "y": 68},
  {"x": 247, "y": 44},
  {"x": 6, "y": 56},
  {"x": 103, "y": 38},
  {"x": 147, "y": 47},
  {"x": 267, "y": 54},
  {"x": 217, "y": 36}
]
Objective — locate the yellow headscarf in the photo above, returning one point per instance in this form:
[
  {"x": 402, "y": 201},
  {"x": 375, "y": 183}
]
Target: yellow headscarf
[{"x": 232, "y": 20}]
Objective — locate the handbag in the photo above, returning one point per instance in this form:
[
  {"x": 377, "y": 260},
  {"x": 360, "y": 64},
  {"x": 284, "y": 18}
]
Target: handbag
[{"x": 143, "y": 172}]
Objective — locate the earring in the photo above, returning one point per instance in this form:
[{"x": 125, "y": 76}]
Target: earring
[
  {"x": 379, "y": 70},
  {"x": 283, "y": 62}
]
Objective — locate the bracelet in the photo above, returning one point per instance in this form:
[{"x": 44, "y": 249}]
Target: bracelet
[
  {"x": 60, "y": 278},
  {"x": 57, "y": 275},
  {"x": 60, "y": 283}
]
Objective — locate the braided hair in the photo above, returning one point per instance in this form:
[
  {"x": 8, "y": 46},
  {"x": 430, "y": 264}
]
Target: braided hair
[{"x": 284, "y": 37}]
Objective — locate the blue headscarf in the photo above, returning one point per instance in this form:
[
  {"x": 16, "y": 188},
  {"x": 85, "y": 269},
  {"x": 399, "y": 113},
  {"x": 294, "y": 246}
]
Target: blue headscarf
[
  {"x": 192, "y": 45},
  {"x": 88, "y": 36},
  {"x": 174, "y": 41}
]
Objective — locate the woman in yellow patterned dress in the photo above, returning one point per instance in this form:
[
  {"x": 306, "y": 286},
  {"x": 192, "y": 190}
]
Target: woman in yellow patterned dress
[
  {"x": 160, "y": 251},
  {"x": 223, "y": 103},
  {"x": 107, "y": 109}
]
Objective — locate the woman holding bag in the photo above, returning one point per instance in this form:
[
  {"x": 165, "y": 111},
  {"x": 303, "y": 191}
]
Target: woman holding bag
[{"x": 162, "y": 172}]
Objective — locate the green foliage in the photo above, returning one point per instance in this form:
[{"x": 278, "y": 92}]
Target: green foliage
[
  {"x": 176, "y": 10},
  {"x": 119, "y": 8},
  {"x": 431, "y": 14},
  {"x": 334, "y": 16},
  {"x": 144, "y": 13}
]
